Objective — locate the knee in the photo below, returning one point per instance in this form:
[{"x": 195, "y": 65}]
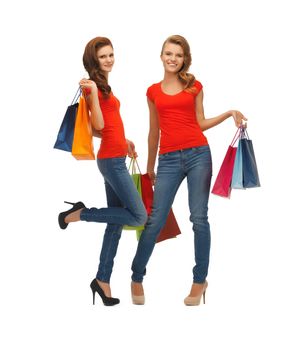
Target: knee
[
  {"x": 142, "y": 217},
  {"x": 198, "y": 220}
]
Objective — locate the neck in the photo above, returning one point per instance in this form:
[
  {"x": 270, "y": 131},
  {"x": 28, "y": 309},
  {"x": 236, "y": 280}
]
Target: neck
[
  {"x": 170, "y": 77},
  {"x": 106, "y": 74}
]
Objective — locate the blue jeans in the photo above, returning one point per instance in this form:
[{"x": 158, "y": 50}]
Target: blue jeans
[
  {"x": 196, "y": 165},
  {"x": 125, "y": 207}
]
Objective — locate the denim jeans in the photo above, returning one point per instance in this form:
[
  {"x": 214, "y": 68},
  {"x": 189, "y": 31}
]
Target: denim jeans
[
  {"x": 125, "y": 207},
  {"x": 195, "y": 165}
]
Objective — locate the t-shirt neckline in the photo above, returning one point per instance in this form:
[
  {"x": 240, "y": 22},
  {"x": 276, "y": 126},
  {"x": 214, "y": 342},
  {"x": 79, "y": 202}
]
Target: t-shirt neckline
[{"x": 178, "y": 93}]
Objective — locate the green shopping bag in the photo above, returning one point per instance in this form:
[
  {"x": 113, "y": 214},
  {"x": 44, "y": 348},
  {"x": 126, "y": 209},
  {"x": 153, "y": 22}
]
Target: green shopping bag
[{"x": 136, "y": 177}]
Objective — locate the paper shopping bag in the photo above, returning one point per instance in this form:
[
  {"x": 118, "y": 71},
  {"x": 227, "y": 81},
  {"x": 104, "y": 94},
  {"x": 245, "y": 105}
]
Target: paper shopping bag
[
  {"x": 82, "y": 147},
  {"x": 65, "y": 135}
]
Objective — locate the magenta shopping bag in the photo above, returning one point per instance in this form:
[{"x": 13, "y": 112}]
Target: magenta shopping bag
[{"x": 222, "y": 185}]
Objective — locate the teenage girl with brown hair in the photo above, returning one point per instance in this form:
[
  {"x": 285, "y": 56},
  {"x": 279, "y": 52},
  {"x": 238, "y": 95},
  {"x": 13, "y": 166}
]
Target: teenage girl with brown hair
[{"x": 125, "y": 206}]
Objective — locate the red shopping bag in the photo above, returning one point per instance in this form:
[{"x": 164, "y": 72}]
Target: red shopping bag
[
  {"x": 222, "y": 185},
  {"x": 171, "y": 228}
]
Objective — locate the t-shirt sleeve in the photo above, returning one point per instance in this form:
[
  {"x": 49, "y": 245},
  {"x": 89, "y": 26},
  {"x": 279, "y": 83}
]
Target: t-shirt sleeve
[
  {"x": 150, "y": 93},
  {"x": 198, "y": 87}
]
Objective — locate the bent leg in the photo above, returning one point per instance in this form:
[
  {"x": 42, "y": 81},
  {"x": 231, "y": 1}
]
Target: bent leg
[{"x": 132, "y": 211}]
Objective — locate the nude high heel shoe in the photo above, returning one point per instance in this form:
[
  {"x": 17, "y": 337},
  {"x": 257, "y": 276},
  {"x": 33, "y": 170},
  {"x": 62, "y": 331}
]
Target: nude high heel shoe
[
  {"x": 137, "y": 299},
  {"x": 194, "y": 301}
]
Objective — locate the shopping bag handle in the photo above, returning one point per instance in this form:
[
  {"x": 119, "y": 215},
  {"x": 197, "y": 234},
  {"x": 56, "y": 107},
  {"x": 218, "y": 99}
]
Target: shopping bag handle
[
  {"x": 236, "y": 137},
  {"x": 76, "y": 96},
  {"x": 132, "y": 166}
]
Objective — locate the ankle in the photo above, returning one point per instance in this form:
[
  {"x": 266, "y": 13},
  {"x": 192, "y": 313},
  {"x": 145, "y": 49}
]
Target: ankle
[
  {"x": 72, "y": 217},
  {"x": 105, "y": 287},
  {"x": 198, "y": 289},
  {"x": 137, "y": 288}
]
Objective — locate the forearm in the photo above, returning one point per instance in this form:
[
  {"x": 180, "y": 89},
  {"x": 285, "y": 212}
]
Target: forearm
[
  {"x": 153, "y": 140},
  {"x": 96, "y": 113},
  {"x": 206, "y": 124}
]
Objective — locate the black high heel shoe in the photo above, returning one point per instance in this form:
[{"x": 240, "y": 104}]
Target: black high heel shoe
[
  {"x": 108, "y": 301},
  {"x": 62, "y": 216}
]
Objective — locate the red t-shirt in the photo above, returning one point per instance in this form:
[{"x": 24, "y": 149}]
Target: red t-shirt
[
  {"x": 179, "y": 128},
  {"x": 113, "y": 142}
]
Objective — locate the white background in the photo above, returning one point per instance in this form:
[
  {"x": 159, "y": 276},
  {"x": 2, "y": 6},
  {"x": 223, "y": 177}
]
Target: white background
[{"x": 244, "y": 54}]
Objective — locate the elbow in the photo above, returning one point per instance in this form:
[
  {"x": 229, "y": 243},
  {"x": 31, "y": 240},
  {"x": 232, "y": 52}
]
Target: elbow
[{"x": 99, "y": 126}]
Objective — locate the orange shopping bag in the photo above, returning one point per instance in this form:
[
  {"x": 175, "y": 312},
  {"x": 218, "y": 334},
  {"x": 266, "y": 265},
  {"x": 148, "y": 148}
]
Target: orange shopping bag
[{"x": 82, "y": 146}]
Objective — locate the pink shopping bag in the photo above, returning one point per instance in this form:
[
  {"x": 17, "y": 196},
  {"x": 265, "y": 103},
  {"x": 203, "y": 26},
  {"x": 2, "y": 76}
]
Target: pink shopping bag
[{"x": 222, "y": 185}]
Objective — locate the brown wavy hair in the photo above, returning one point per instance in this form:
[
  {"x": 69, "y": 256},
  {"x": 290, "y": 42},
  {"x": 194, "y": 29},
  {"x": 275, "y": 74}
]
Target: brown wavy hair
[
  {"x": 91, "y": 63},
  {"x": 187, "y": 79}
]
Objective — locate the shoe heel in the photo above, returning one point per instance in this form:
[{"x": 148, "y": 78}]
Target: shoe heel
[
  {"x": 69, "y": 203},
  {"x": 204, "y": 297},
  {"x": 107, "y": 301}
]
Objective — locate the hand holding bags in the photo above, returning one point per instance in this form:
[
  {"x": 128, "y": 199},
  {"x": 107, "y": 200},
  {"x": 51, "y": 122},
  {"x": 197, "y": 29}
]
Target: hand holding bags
[
  {"x": 75, "y": 133},
  {"x": 66, "y": 131},
  {"x": 244, "y": 173}
]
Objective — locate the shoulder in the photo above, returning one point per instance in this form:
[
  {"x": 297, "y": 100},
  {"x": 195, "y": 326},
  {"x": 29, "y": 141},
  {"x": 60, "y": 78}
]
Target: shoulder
[
  {"x": 152, "y": 91},
  {"x": 198, "y": 87}
]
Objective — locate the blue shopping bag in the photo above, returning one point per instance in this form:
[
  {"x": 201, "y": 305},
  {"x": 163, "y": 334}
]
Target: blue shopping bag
[
  {"x": 237, "y": 178},
  {"x": 66, "y": 131},
  {"x": 249, "y": 164}
]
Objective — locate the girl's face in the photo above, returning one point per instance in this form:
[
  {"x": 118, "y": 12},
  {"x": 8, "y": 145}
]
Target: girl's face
[
  {"x": 106, "y": 59},
  {"x": 172, "y": 57}
]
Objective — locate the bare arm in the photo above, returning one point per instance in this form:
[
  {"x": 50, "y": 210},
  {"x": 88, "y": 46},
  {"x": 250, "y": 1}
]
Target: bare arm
[
  {"x": 96, "y": 133},
  {"x": 206, "y": 124},
  {"x": 153, "y": 140},
  {"x": 93, "y": 104}
]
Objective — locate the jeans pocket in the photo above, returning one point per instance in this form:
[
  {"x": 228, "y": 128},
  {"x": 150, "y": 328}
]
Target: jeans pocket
[{"x": 163, "y": 156}]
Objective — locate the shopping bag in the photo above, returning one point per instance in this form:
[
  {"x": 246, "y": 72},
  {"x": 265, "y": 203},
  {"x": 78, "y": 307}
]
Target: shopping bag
[
  {"x": 136, "y": 177},
  {"x": 82, "y": 146},
  {"x": 147, "y": 192},
  {"x": 237, "y": 178},
  {"x": 171, "y": 228},
  {"x": 249, "y": 164},
  {"x": 222, "y": 185},
  {"x": 144, "y": 187},
  {"x": 65, "y": 135}
]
